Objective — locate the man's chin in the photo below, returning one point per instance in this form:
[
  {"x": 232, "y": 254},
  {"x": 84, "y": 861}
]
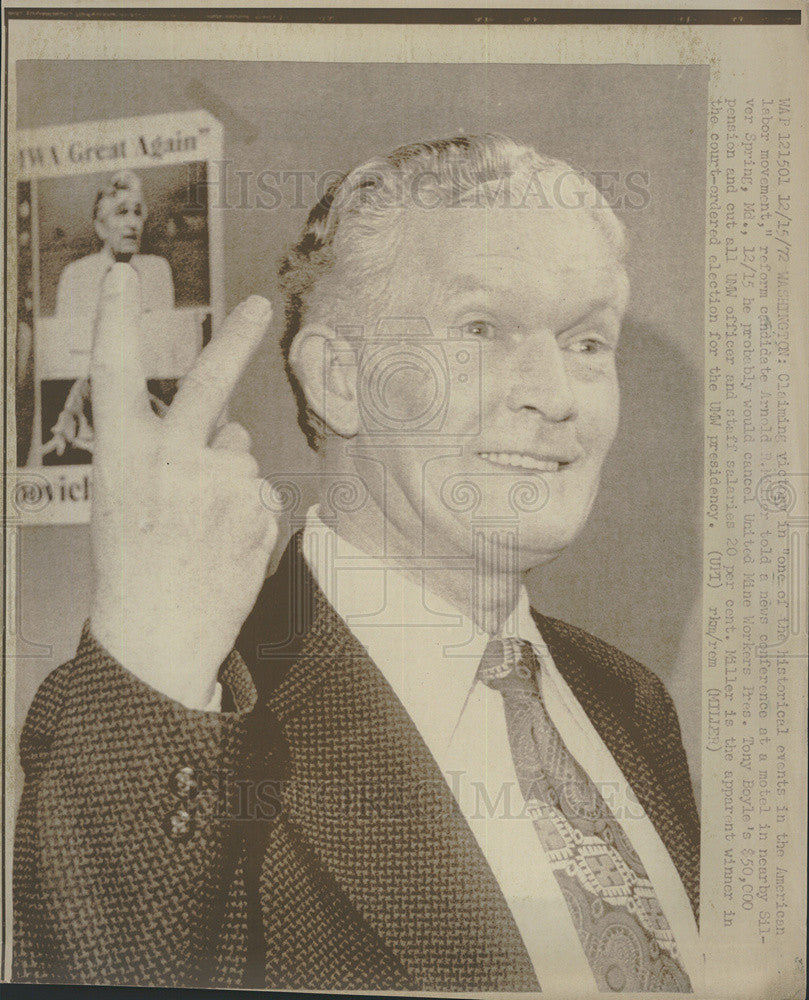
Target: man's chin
[
  {"x": 521, "y": 549},
  {"x": 539, "y": 547}
]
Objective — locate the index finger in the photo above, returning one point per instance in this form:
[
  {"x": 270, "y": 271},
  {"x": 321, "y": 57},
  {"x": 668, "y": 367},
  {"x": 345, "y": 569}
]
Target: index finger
[
  {"x": 206, "y": 388},
  {"x": 116, "y": 372}
]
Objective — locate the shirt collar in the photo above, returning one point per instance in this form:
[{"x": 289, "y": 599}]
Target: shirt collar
[{"x": 428, "y": 650}]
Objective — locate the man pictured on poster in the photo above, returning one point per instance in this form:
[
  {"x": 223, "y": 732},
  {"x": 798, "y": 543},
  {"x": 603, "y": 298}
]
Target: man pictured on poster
[
  {"x": 119, "y": 215},
  {"x": 385, "y": 771}
]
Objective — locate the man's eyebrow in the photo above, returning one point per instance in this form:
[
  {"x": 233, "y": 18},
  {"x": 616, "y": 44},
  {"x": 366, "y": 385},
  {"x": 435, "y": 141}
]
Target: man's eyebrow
[
  {"x": 471, "y": 284},
  {"x": 601, "y": 305}
]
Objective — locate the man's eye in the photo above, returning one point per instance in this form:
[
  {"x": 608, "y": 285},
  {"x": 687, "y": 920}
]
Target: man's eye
[
  {"x": 479, "y": 328},
  {"x": 589, "y": 345}
]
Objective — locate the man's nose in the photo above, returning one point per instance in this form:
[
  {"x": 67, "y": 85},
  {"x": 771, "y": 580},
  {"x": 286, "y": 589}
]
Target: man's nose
[{"x": 540, "y": 381}]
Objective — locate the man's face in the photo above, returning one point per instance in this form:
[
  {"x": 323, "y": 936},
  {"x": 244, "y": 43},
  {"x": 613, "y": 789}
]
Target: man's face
[
  {"x": 525, "y": 306},
  {"x": 119, "y": 223}
]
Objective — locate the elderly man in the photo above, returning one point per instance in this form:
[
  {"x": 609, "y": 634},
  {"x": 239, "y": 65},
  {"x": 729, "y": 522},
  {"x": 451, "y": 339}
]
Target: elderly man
[
  {"x": 119, "y": 215},
  {"x": 391, "y": 773}
]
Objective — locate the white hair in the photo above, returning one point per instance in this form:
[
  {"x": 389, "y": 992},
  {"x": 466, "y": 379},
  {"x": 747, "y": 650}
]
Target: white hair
[{"x": 121, "y": 181}]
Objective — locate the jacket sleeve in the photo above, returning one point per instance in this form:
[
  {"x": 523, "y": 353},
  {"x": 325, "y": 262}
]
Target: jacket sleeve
[{"x": 120, "y": 847}]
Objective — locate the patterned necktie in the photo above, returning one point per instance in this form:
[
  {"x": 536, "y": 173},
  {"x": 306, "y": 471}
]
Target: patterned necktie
[{"x": 623, "y": 930}]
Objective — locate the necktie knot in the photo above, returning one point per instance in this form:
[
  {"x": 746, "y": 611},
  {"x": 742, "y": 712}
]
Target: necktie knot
[{"x": 509, "y": 664}]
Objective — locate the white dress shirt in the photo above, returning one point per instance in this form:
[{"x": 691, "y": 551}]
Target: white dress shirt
[
  {"x": 429, "y": 653},
  {"x": 80, "y": 283}
]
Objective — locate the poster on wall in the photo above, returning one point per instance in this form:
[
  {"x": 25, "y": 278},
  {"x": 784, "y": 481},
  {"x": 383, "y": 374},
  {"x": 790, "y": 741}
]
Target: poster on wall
[{"x": 89, "y": 195}]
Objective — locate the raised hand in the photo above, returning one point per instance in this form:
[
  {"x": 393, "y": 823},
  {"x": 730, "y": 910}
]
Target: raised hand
[{"x": 180, "y": 537}]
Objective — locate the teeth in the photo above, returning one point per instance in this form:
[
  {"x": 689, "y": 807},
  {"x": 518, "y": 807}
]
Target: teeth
[{"x": 518, "y": 461}]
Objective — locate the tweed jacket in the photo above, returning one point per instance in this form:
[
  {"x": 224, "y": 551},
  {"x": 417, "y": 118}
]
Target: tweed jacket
[{"x": 304, "y": 837}]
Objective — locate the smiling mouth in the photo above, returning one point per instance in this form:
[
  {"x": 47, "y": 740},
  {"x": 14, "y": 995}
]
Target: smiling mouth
[{"x": 523, "y": 462}]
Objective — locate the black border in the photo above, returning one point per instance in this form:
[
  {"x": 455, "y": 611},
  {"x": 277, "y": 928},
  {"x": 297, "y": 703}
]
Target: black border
[
  {"x": 26, "y": 991},
  {"x": 475, "y": 17}
]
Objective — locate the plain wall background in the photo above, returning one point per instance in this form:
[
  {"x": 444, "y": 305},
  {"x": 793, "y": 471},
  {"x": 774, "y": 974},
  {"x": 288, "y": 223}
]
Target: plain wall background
[{"x": 634, "y": 575}]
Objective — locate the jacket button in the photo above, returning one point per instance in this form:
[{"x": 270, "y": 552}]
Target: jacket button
[
  {"x": 179, "y": 825},
  {"x": 184, "y": 783}
]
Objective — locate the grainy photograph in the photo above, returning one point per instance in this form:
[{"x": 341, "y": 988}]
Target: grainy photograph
[
  {"x": 457, "y": 291},
  {"x": 154, "y": 219},
  {"x": 78, "y": 244},
  {"x": 76, "y": 221},
  {"x": 381, "y": 660}
]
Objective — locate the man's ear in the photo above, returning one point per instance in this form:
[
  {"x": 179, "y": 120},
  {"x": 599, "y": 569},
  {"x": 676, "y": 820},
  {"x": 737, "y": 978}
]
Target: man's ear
[{"x": 326, "y": 367}]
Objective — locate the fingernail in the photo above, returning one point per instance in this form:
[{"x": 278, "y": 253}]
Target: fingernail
[{"x": 257, "y": 309}]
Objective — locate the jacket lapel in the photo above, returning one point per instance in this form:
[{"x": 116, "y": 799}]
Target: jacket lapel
[
  {"x": 368, "y": 800},
  {"x": 597, "y": 687}
]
